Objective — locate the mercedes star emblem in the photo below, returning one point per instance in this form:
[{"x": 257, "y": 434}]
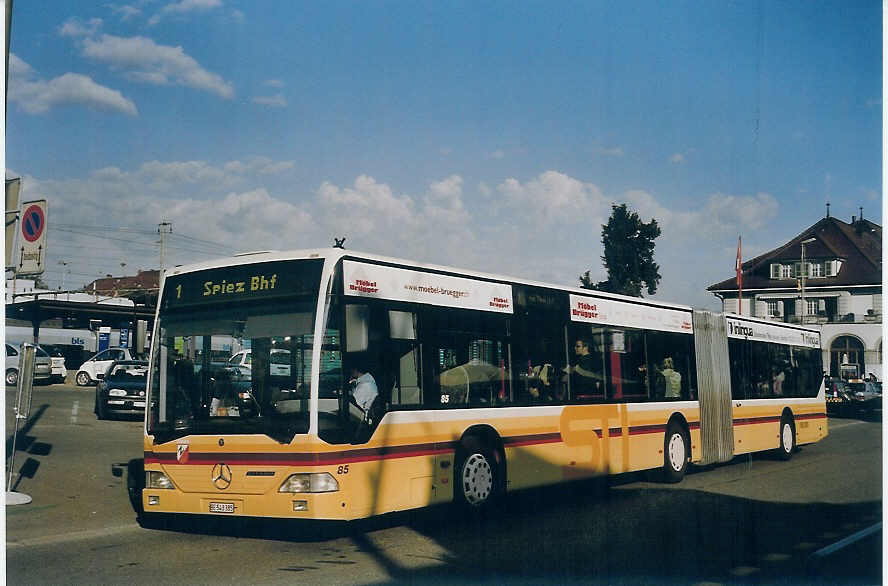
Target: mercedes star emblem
[{"x": 221, "y": 476}]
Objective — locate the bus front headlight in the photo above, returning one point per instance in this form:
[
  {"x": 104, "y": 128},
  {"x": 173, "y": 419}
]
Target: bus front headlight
[
  {"x": 157, "y": 480},
  {"x": 315, "y": 482}
]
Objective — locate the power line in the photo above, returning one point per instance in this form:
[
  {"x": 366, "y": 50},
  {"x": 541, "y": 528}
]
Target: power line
[{"x": 178, "y": 235}]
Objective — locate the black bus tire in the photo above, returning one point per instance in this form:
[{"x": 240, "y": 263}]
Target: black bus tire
[{"x": 676, "y": 453}]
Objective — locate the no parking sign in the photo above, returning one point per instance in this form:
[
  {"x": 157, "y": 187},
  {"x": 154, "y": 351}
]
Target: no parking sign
[{"x": 32, "y": 241}]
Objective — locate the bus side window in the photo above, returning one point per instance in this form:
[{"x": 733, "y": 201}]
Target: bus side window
[
  {"x": 406, "y": 388},
  {"x": 627, "y": 380},
  {"x": 586, "y": 373},
  {"x": 738, "y": 351}
]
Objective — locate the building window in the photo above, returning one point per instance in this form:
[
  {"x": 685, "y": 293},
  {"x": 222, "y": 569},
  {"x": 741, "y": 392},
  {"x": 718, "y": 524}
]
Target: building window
[
  {"x": 816, "y": 269},
  {"x": 811, "y": 306},
  {"x": 773, "y": 308},
  {"x": 785, "y": 271}
]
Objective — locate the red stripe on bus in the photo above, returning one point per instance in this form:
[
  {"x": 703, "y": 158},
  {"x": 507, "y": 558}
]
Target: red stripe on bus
[
  {"x": 301, "y": 458},
  {"x": 756, "y": 420},
  {"x": 811, "y": 416},
  {"x": 367, "y": 454},
  {"x": 529, "y": 440}
]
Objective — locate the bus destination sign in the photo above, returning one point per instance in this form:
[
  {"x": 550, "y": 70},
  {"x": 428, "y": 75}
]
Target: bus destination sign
[{"x": 243, "y": 283}]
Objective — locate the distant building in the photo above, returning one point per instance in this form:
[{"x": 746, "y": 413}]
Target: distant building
[
  {"x": 839, "y": 288},
  {"x": 141, "y": 288}
]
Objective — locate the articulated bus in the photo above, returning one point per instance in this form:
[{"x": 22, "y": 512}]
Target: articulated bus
[{"x": 485, "y": 385}]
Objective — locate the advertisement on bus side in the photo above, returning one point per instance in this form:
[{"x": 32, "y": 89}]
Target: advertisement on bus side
[
  {"x": 619, "y": 313},
  {"x": 380, "y": 282},
  {"x": 750, "y": 330}
]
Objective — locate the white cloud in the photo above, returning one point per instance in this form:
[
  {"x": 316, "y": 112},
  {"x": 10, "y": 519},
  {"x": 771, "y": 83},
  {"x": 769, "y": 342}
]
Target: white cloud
[
  {"x": 275, "y": 83},
  {"x": 184, "y": 7},
  {"x": 144, "y": 60},
  {"x": 366, "y": 208},
  {"x": 722, "y": 213},
  {"x": 547, "y": 228},
  {"x": 677, "y": 159},
  {"x": 498, "y": 154},
  {"x": 38, "y": 96},
  {"x": 125, "y": 11},
  {"x": 275, "y": 101},
  {"x": 74, "y": 27},
  {"x": 554, "y": 196}
]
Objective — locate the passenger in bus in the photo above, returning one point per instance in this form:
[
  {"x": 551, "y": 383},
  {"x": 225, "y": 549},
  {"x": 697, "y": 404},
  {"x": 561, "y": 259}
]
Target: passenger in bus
[
  {"x": 585, "y": 383},
  {"x": 365, "y": 405},
  {"x": 778, "y": 376},
  {"x": 187, "y": 397},
  {"x": 671, "y": 379},
  {"x": 540, "y": 383}
]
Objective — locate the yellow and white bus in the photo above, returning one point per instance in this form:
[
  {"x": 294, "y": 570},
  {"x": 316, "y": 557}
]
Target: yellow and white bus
[{"x": 486, "y": 385}]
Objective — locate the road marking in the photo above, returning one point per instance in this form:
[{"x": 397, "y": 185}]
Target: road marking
[
  {"x": 833, "y": 426},
  {"x": 74, "y": 411},
  {"x": 830, "y": 549},
  {"x": 76, "y": 536}
]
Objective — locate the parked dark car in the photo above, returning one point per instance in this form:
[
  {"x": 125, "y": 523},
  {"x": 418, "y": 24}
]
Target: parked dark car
[
  {"x": 853, "y": 397},
  {"x": 122, "y": 389}
]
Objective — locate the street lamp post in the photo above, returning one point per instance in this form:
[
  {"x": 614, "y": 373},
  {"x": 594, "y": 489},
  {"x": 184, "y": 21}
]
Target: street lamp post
[{"x": 803, "y": 278}]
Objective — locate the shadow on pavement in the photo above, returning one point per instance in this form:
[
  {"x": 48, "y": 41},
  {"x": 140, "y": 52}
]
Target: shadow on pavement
[
  {"x": 23, "y": 440},
  {"x": 584, "y": 532}
]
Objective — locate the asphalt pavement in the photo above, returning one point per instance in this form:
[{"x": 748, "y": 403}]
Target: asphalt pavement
[{"x": 754, "y": 520}]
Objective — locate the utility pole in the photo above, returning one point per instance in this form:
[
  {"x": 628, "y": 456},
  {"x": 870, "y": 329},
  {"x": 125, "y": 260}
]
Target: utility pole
[{"x": 163, "y": 229}]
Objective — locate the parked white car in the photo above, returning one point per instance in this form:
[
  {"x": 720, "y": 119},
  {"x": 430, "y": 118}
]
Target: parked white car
[
  {"x": 59, "y": 372},
  {"x": 93, "y": 370},
  {"x": 42, "y": 365},
  {"x": 280, "y": 362}
]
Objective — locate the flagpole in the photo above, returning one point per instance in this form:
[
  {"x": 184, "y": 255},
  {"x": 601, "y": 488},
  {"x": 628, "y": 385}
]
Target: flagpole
[{"x": 739, "y": 269}]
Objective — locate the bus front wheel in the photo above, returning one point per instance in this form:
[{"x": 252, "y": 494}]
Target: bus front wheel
[
  {"x": 477, "y": 477},
  {"x": 675, "y": 454},
  {"x": 787, "y": 438}
]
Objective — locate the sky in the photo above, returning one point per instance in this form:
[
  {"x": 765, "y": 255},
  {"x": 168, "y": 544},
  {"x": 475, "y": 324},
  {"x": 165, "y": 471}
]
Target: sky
[{"x": 492, "y": 136}]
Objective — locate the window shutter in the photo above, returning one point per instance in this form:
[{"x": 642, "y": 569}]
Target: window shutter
[
  {"x": 775, "y": 271},
  {"x": 797, "y": 270},
  {"x": 821, "y": 304}
]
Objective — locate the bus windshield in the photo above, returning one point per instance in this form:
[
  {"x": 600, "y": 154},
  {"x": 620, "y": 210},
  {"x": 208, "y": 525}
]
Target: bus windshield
[{"x": 233, "y": 366}]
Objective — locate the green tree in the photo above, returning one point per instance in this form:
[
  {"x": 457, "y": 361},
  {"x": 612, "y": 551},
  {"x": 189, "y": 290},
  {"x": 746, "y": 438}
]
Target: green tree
[{"x": 628, "y": 254}]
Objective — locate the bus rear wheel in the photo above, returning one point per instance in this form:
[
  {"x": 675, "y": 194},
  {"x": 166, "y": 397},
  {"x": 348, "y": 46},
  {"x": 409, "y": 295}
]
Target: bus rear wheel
[
  {"x": 675, "y": 454},
  {"x": 787, "y": 438},
  {"x": 477, "y": 477}
]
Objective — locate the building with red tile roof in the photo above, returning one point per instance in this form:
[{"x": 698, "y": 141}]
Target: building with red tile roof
[{"x": 839, "y": 288}]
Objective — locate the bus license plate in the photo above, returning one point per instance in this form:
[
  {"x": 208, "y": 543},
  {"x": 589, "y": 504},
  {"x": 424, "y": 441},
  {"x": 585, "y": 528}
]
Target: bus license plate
[
  {"x": 139, "y": 404},
  {"x": 221, "y": 507}
]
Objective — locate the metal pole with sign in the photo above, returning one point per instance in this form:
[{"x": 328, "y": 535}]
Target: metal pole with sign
[
  {"x": 32, "y": 238},
  {"x": 27, "y": 358}
]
